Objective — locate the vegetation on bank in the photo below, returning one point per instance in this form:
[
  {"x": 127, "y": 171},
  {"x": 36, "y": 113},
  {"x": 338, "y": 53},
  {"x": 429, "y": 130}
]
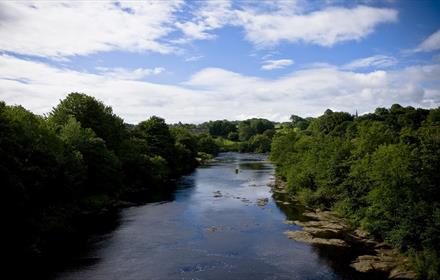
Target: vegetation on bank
[
  {"x": 82, "y": 159},
  {"x": 380, "y": 170},
  {"x": 78, "y": 161},
  {"x": 252, "y": 135}
]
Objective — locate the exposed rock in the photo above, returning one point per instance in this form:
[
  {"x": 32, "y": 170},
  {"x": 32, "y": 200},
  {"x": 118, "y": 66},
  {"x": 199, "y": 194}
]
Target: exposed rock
[
  {"x": 279, "y": 191},
  {"x": 360, "y": 233},
  {"x": 217, "y": 194},
  {"x": 324, "y": 216},
  {"x": 214, "y": 229},
  {"x": 387, "y": 261},
  {"x": 382, "y": 246},
  {"x": 323, "y": 232},
  {"x": 322, "y": 224},
  {"x": 369, "y": 263},
  {"x": 327, "y": 228},
  {"x": 402, "y": 273},
  {"x": 303, "y": 236},
  {"x": 262, "y": 202}
]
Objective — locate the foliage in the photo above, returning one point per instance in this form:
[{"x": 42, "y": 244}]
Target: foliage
[
  {"x": 259, "y": 143},
  {"x": 251, "y": 127},
  {"x": 90, "y": 113},
  {"x": 221, "y": 128},
  {"x": 77, "y": 163},
  {"x": 207, "y": 144},
  {"x": 380, "y": 170}
]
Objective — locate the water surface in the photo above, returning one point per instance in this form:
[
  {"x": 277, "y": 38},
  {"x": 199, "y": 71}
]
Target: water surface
[{"x": 212, "y": 228}]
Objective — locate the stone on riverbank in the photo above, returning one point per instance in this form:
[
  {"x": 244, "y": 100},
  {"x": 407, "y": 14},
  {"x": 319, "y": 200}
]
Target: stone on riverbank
[
  {"x": 386, "y": 261},
  {"x": 328, "y": 229},
  {"x": 214, "y": 229},
  {"x": 323, "y": 232},
  {"x": 217, "y": 194},
  {"x": 307, "y": 237},
  {"x": 322, "y": 224},
  {"x": 262, "y": 202}
]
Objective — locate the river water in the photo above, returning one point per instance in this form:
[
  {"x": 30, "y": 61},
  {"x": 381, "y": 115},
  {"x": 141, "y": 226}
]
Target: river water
[{"x": 212, "y": 228}]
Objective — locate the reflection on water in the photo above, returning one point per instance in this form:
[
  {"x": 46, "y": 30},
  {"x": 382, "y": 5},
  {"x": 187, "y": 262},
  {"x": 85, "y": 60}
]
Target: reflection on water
[{"x": 212, "y": 228}]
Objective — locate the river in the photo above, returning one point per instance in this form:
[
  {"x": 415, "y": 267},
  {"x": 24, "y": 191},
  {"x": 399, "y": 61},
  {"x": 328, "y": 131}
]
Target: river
[{"x": 212, "y": 228}]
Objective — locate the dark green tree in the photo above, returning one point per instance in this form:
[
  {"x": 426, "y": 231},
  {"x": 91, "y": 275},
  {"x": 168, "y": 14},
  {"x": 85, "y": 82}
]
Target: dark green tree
[{"x": 90, "y": 113}]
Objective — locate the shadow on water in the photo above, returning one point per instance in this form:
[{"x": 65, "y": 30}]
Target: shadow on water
[
  {"x": 210, "y": 226},
  {"x": 93, "y": 230},
  {"x": 338, "y": 258}
]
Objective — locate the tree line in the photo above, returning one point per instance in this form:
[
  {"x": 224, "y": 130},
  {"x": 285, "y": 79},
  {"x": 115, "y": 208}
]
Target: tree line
[
  {"x": 79, "y": 160},
  {"x": 251, "y": 135},
  {"x": 379, "y": 170}
]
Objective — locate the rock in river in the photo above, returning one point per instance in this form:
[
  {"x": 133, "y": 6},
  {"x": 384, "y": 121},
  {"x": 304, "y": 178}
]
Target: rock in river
[
  {"x": 217, "y": 194},
  {"x": 307, "y": 237},
  {"x": 262, "y": 202},
  {"x": 387, "y": 261}
]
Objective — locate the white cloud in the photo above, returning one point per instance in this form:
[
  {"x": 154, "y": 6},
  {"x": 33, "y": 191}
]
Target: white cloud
[
  {"x": 60, "y": 29},
  {"x": 215, "y": 93},
  {"x": 269, "y": 23},
  {"x": 376, "y": 61},
  {"x": 210, "y": 15},
  {"x": 276, "y": 64},
  {"x": 194, "y": 58},
  {"x": 431, "y": 43},
  {"x": 67, "y": 28},
  {"x": 129, "y": 74},
  {"x": 324, "y": 27}
]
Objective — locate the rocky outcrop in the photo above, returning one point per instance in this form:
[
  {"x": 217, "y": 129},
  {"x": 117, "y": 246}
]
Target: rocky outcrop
[
  {"x": 214, "y": 229},
  {"x": 386, "y": 261},
  {"x": 217, "y": 194},
  {"x": 262, "y": 202},
  {"x": 326, "y": 228},
  {"x": 307, "y": 237}
]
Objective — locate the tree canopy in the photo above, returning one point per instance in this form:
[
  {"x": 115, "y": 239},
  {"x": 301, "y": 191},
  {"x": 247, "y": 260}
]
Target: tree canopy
[{"x": 380, "y": 170}]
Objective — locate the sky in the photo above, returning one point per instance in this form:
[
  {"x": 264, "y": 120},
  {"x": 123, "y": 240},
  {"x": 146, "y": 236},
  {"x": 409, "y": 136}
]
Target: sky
[{"x": 193, "y": 61}]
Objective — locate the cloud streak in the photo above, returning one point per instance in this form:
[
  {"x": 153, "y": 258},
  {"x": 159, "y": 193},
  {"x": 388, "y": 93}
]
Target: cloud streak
[
  {"x": 376, "y": 61},
  {"x": 431, "y": 43},
  {"x": 68, "y": 28},
  {"x": 60, "y": 29},
  {"x": 276, "y": 64},
  {"x": 215, "y": 93},
  {"x": 324, "y": 27},
  {"x": 266, "y": 28},
  {"x": 129, "y": 74}
]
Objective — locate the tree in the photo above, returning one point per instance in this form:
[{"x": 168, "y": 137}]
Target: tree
[
  {"x": 329, "y": 121},
  {"x": 260, "y": 143},
  {"x": 206, "y": 144},
  {"x": 90, "y": 113},
  {"x": 103, "y": 170},
  {"x": 221, "y": 128},
  {"x": 157, "y": 136},
  {"x": 245, "y": 131}
]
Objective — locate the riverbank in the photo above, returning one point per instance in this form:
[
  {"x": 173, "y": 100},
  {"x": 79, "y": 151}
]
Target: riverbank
[
  {"x": 326, "y": 228},
  {"x": 220, "y": 224}
]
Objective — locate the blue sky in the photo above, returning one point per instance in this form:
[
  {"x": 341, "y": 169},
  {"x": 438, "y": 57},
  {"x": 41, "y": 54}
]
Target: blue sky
[{"x": 193, "y": 61}]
